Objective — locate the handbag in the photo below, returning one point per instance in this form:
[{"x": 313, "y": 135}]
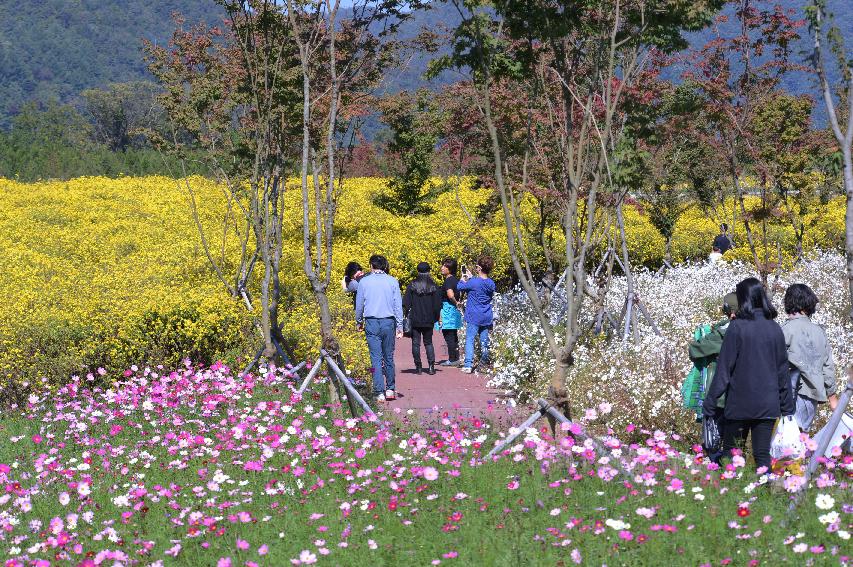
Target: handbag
[
  {"x": 710, "y": 435},
  {"x": 786, "y": 439},
  {"x": 407, "y": 327}
]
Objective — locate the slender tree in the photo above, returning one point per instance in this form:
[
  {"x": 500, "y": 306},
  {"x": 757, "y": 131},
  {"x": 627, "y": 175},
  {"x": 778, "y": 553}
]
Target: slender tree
[
  {"x": 839, "y": 105},
  {"x": 574, "y": 60}
]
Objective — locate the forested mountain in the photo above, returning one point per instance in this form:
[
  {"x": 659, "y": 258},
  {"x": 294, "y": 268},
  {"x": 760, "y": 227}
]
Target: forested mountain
[{"x": 53, "y": 49}]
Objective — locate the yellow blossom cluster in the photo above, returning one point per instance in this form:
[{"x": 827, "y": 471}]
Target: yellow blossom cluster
[{"x": 111, "y": 272}]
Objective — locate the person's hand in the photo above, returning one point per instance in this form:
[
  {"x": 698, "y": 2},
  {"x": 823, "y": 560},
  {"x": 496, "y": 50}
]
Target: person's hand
[
  {"x": 833, "y": 402},
  {"x": 360, "y": 327},
  {"x": 399, "y": 333}
]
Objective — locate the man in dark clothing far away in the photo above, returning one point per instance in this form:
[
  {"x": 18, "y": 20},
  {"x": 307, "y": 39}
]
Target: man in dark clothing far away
[{"x": 723, "y": 241}]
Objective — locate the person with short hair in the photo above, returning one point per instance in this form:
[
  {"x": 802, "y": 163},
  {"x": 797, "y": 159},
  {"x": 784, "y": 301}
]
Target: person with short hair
[
  {"x": 752, "y": 371},
  {"x": 812, "y": 367},
  {"x": 451, "y": 318},
  {"x": 422, "y": 305},
  {"x": 478, "y": 310},
  {"x": 723, "y": 241},
  {"x": 379, "y": 311}
]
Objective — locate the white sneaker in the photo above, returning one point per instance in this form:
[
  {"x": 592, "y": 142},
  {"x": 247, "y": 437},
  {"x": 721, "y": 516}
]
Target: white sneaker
[
  {"x": 390, "y": 395},
  {"x": 379, "y": 398},
  {"x": 467, "y": 370}
]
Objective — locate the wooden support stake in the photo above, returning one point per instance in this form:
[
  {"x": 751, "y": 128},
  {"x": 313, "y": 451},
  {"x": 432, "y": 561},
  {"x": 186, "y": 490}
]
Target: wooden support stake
[
  {"x": 521, "y": 429},
  {"x": 552, "y": 411},
  {"x": 831, "y": 426},
  {"x": 648, "y": 317},
  {"x": 351, "y": 391},
  {"x": 253, "y": 362},
  {"x": 313, "y": 372}
]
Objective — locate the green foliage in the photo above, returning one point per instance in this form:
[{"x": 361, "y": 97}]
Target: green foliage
[
  {"x": 415, "y": 122},
  {"x": 54, "y": 141},
  {"x": 54, "y": 49}
]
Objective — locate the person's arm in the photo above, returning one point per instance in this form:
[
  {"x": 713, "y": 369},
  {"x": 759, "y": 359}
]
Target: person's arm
[
  {"x": 829, "y": 380},
  {"x": 407, "y": 300},
  {"x": 398, "y": 306},
  {"x": 437, "y": 305},
  {"x": 709, "y": 345},
  {"x": 725, "y": 367},
  {"x": 359, "y": 307},
  {"x": 786, "y": 393},
  {"x": 352, "y": 286},
  {"x": 464, "y": 285},
  {"x": 451, "y": 297}
]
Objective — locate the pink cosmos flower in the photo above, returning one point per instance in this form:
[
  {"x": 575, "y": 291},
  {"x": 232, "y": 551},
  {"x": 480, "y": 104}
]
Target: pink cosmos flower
[
  {"x": 430, "y": 473},
  {"x": 242, "y": 544}
]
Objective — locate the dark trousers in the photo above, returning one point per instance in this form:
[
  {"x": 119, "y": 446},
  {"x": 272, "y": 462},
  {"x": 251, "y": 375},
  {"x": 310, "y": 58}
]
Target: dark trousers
[
  {"x": 761, "y": 431},
  {"x": 426, "y": 333},
  {"x": 451, "y": 337}
]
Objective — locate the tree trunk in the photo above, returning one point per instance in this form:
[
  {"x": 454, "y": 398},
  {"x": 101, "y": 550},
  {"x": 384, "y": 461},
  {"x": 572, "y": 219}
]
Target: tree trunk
[
  {"x": 847, "y": 154},
  {"x": 558, "y": 393}
]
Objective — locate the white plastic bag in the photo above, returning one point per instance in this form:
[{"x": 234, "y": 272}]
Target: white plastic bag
[{"x": 786, "y": 441}]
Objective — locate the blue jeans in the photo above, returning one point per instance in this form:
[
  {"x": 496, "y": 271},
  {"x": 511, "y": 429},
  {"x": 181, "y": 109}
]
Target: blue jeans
[
  {"x": 471, "y": 333},
  {"x": 380, "y": 335}
]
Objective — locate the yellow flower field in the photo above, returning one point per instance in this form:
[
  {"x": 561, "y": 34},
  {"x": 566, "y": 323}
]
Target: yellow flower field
[{"x": 110, "y": 272}]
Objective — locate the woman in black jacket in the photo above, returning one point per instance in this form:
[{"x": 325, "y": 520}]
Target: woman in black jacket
[
  {"x": 422, "y": 305},
  {"x": 752, "y": 371}
]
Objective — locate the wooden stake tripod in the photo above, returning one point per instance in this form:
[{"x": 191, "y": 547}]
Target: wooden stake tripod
[
  {"x": 546, "y": 409},
  {"x": 338, "y": 379},
  {"x": 831, "y": 426}
]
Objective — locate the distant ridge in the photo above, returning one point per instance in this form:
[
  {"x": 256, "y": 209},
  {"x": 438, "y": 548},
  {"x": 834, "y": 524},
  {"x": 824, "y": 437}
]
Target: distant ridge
[{"x": 53, "y": 49}]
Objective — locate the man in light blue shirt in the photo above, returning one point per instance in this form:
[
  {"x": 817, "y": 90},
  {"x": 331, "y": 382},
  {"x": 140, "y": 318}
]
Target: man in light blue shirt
[{"x": 379, "y": 311}]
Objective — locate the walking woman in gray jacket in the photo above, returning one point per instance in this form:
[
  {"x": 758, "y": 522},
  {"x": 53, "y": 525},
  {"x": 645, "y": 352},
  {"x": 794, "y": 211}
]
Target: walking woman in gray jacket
[
  {"x": 752, "y": 371},
  {"x": 812, "y": 367}
]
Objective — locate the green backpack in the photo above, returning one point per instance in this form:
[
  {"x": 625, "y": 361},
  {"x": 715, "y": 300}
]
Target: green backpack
[{"x": 693, "y": 388}]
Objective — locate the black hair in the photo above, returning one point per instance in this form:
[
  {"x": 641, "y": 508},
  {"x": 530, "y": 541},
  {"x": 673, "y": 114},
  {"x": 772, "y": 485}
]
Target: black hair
[
  {"x": 752, "y": 298},
  {"x": 451, "y": 265},
  {"x": 352, "y": 269},
  {"x": 423, "y": 284},
  {"x": 379, "y": 262},
  {"x": 799, "y": 298},
  {"x": 724, "y": 227}
]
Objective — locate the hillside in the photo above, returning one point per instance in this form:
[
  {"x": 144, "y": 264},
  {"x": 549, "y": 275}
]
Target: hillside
[{"x": 53, "y": 49}]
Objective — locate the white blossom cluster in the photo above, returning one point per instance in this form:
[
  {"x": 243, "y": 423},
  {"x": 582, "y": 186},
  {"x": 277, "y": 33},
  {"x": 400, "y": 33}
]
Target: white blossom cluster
[{"x": 642, "y": 380}]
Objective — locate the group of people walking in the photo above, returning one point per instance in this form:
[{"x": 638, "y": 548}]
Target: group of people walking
[
  {"x": 385, "y": 314},
  {"x": 757, "y": 370}
]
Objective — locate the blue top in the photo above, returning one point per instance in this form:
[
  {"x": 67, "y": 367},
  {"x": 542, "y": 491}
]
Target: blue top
[
  {"x": 379, "y": 297},
  {"x": 478, "y": 307}
]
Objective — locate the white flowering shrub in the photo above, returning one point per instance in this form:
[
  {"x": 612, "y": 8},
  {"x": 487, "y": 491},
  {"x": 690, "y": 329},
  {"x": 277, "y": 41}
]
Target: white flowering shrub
[{"x": 642, "y": 381}]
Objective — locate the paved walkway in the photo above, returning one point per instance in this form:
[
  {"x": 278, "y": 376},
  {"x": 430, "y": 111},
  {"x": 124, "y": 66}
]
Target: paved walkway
[{"x": 449, "y": 389}]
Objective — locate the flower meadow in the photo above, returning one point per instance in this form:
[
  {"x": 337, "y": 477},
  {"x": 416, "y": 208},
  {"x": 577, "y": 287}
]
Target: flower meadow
[
  {"x": 106, "y": 273},
  {"x": 198, "y": 466},
  {"x": 642, "y": 381}
]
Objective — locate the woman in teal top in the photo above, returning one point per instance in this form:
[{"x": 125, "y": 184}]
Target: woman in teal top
[{"x": 451, "y": 318}]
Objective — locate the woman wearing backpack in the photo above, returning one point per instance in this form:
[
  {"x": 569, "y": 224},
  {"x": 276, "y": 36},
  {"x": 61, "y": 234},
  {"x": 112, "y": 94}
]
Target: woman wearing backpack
[
  {"x": 752, "y": 371},
  {"x": 422, "y": 305}
]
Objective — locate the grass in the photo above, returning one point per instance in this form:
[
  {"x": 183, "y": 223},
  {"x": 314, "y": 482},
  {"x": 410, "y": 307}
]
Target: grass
[{"x": 201, "y": 468}]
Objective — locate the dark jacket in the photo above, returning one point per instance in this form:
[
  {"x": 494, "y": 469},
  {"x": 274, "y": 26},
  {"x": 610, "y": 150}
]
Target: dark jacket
[
  {"x": 422, "y": 302},
  {"x": 723, "y": 242},
  {"x": 752, "y": 370}
]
